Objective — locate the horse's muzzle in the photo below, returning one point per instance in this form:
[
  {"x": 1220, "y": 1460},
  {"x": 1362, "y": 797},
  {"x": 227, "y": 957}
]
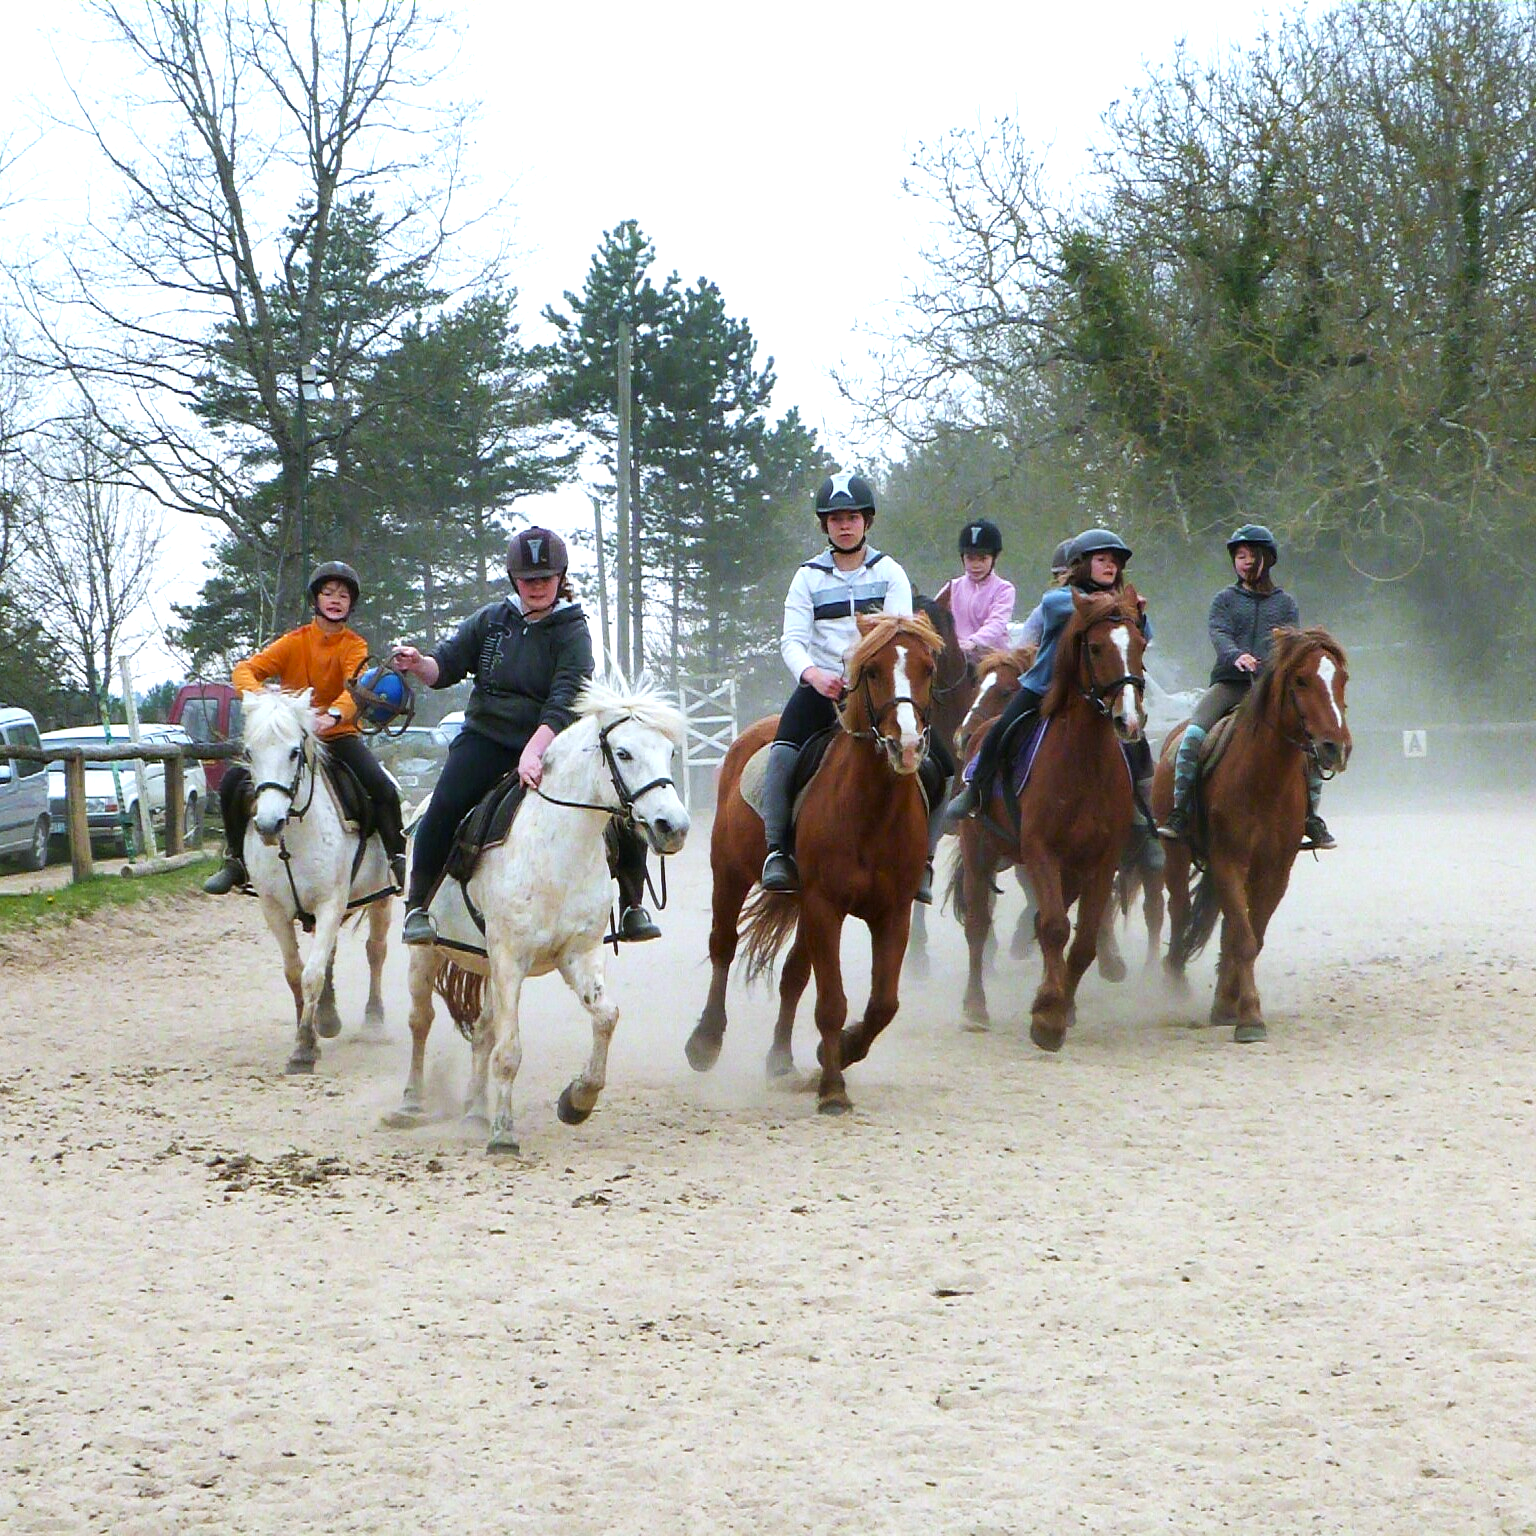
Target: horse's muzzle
[
  {"x": 666, "y": 834},
  {"x": 269, "y": 830},
  {"x": 1126, "y": 729},
  {"x": 1332, "y": 756}
]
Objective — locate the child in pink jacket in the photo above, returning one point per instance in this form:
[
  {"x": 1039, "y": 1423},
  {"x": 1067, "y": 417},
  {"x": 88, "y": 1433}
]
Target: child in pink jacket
[{"x": 981, "y": 601}]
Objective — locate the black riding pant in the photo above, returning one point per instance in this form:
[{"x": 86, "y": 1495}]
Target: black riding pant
[
  {"x": 806, "y": 713},
  {"x": 235, "y": 806},
  {"x": 475, "y": 766},
  {"x": 377, "y": 785}
]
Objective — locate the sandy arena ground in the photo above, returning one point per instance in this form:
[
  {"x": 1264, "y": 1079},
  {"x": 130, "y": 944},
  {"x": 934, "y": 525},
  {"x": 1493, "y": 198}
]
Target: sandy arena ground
[{"x": 1157, "y": 1283}]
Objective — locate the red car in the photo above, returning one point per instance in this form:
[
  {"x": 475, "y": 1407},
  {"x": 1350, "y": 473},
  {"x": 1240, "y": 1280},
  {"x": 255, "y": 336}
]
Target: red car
[{"x": 209, "y": 712}]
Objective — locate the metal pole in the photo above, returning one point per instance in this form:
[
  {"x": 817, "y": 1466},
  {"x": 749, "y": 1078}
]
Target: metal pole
[
  {"x": 303, "y": 490},
  {"x": 602, "y": 579},
  {"x": 622, "y": 570}
]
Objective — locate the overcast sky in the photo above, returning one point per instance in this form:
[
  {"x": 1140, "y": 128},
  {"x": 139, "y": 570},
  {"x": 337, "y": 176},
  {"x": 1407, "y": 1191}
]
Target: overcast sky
[{"x": 761, "y": 147}]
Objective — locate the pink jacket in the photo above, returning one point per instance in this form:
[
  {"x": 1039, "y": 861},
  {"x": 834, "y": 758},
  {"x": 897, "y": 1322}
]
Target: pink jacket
[{"x": 982, "y": 610}]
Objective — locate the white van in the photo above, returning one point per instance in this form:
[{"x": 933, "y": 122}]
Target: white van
[{"x": 23, "y": 792}]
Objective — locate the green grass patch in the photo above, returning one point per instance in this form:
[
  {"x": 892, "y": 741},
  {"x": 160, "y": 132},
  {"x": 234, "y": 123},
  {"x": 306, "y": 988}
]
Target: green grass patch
[{"x": 98, "y": 893}]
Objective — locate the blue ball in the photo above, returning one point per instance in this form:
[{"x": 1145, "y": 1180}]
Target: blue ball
[{"x": 387, "y": 683}]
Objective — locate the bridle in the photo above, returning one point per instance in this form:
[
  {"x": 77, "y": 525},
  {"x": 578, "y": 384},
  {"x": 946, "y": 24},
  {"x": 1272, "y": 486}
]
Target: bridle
[
  {"x": 892, "y": 749},
  {"x": 1099, "y": 694},
  {"x": 627, "y": 796},
  {"x": 1306, "y": 743},
  {"x": 292, "y": 790}
]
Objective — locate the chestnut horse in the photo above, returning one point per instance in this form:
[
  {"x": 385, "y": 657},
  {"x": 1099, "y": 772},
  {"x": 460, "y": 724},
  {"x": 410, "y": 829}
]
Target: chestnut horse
[
  {"x": 861, "y": 843},
  {"x": 1073, "y": 815},
  {"x": 1253, "y": 812}
]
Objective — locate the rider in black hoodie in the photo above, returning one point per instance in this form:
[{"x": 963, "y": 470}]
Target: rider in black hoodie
[{"x": 529, "y": 653}]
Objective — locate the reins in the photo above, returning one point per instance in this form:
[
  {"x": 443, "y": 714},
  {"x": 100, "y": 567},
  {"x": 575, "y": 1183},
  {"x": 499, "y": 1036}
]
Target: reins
[
  {"x": 874, "y": 733},
  {"x": 1098, "y": 694},
  {"x": 306, "y": 918}
]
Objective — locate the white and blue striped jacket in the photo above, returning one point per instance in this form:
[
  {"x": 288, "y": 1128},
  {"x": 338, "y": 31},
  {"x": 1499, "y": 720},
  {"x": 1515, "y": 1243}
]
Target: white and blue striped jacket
[{"x": 820, "y": 612}]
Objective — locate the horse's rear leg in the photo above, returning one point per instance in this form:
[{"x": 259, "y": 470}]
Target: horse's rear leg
[
  {"x": 1024, "y": 930},
  {"x": 703, "y": 1048},
  {"x": 327, "y": 1019},
  {"x": 917, "y": 945},
  {"x": 1111, "y": 961},
  {"x": 1152, "y": 912},
  {"x": 584, "y": 976},
  {"x": 792, "y": 980},
  {"x": 1176, "y": 882},
  {"x": 499, "y": 1034},
  {"x": 979, "y": 869},
  {"x": 377, "y": 946},
  {"x": 423, "y": 973},
  {"x": 888, "y": 943}
]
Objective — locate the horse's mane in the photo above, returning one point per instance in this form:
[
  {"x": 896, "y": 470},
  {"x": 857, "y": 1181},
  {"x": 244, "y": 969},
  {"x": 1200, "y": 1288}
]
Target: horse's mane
[
  {"x": 1291, "y": 648},
  {"x": 877, "y": 632},
  {"x": 940, "y": 615},
  {"x": 1021, "y": 657},
  {"x": 615, "y": 695},
  {"x": 271, "y": 714},
  {"x": 1093, "y": 609}
]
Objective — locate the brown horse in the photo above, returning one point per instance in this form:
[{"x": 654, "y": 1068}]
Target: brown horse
[
  {"x": 1074, "y": 813},
  {"x": 861, "y": 843},
  {"x": 1254, "y": 811}
]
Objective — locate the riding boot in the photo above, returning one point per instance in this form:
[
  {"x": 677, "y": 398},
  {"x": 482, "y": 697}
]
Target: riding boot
[
  {"x": 1150, "y": 854},
  {"x": 419, "y": 926},
  {"x": 1317, "y": 835},
  {"x": 387, "y": 818},
  {"x": 938, "y": 820},
  {"x": 626, "y": 862},
  {"x": 1177, "y": 828},
  {"x": 228, "y": 877},
  {"x": 779, "y": 870}
]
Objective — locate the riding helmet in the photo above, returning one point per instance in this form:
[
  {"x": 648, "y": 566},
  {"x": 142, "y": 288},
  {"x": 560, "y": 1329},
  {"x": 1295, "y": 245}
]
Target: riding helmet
[
  {"x": 536, "y": 552},
  {"x": 1261, "y": 538},
  {"x": 981, "y": 538},
  {"x": 335, "y": 570},
  {"x": 1095, "y": 541},
  {"x": 846, "y": 492},
  {"x": 1061, "y": 558}
]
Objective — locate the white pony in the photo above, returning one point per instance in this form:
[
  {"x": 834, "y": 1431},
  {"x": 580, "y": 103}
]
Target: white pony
[
  {"x": 544, "y": 897},
  {"x": 299, "y": 853}
]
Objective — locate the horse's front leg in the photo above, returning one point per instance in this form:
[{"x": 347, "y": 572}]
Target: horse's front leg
[
  {"x": 917, "y": 944},
  {"x": 888, "y": 943},
  {"x": 317, "y": 968},
  {"x": 730, "y": 891},
  {"x": 821, "y": 929},
  {"x": 1176, "y": 882},
  {"x": 1095, "y": 912},
  {"x": 1048, "y": 1011},
  {"x": 1236, "y": 1002},
  {"x": 1111, "y": 961},
  {"x": 978, "y": 868},
  {"x": 377, "y": 947},
  {"x": 420, "y": 979},
  {"x": 1152, "y": 912},
  {"x": 1024, "y": 930},
  {"x": 1266, "y": 887},
  {"x": 583, "y": 974},
  {"x": 499, "y": 1035},
  {"x": 792, "y": 979},
  {"x": 281, "y": 925},
  {"x": 327, "y": 1017}
]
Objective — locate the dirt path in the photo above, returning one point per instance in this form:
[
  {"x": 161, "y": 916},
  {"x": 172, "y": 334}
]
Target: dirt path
[{"x": 1157, "y": 1283}]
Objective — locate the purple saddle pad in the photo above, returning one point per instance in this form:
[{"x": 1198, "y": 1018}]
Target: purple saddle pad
[{"x": 1021, "y": 754}]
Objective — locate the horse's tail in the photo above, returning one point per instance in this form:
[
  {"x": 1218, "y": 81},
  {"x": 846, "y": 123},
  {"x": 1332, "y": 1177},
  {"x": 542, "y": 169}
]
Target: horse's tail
[
  {"x": 767, "y": 920},
  {"x": 954, "y": 892},
  {"x": 464, "y": 993},
  {"x": 1200, "y": 924}
]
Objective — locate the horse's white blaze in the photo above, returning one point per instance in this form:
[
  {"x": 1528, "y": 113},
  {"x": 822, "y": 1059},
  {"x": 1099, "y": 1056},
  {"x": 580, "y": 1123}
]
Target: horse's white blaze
[
  {"x": 988, "y": 684},
  {"x": 1130, "y": 705},
  {"x": 906, "y": 715},
  {"x": 1327, "y": 673}
]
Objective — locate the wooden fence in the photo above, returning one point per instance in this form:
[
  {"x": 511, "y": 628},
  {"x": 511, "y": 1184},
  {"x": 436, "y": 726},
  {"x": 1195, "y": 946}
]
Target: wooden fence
[{"x": 173, "y": 754}]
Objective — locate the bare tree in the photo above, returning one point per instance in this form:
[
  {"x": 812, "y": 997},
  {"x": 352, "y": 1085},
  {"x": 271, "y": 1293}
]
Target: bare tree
[
  {"x": 234, "y": 118},
  {"x": 88, "y": 556}
]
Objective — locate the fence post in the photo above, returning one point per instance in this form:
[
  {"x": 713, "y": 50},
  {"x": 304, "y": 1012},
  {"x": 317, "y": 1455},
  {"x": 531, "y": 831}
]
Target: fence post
[
  {"x": 175, "y": 805},
  {"x": 79, "y": 822}
]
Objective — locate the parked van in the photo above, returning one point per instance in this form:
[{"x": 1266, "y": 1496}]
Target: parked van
[
  {"x": 24, "y": 817},
  {"x": 209, "y": 712}
]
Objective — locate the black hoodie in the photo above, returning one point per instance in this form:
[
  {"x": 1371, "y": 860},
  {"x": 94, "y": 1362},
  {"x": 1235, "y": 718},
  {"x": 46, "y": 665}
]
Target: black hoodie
[{"x": 526, "y": 675}]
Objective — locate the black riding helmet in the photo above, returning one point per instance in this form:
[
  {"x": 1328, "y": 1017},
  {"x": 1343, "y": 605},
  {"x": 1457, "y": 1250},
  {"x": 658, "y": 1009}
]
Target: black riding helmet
[
  {"x": 846, "y": 492},
  {"x": 1094, "y": 541},
  {"x": 536, "y": 552},
  {"x": 334, "y": 570},
  {"x": 1061, "y": 558},
  {"x": 1260, "y": 537},
  {"x": 981, "y": 538}
]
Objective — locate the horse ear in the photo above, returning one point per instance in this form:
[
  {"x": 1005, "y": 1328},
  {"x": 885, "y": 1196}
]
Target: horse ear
[
  {"x": 1079, "y": 600},
  {"x": 942, "y": 600},
  {"x": 306, "y": 696}
]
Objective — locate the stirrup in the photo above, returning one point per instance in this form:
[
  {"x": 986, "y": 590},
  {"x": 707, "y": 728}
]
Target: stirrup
[
  {"x": 1316, "y": 837},
  {"x": 924, "y": 892},
  {"x": 419, "y": 927},
  {"x": 780, "y": 872},
  {"x": 964, "y": 804},
  {"x": 1176, "y": 829},
  {"x": 636, "y": 925}
]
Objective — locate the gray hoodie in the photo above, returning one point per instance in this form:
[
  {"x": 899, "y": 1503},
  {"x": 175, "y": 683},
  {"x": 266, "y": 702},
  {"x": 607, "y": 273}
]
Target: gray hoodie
[{"x": 1242, "y": 620}]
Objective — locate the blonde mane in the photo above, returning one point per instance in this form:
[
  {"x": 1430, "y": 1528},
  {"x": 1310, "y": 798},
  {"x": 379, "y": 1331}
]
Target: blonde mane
[
  {"x": 614, "y": 695},
  {"x": 274, "y": 716},
  {"x": 878, "y": 630}
]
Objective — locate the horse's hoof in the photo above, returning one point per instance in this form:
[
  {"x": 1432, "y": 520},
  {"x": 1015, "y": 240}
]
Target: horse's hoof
[
  {"x": 406, "y": 1118},
  {"x": 1112, "y": 968},
  {"x": 837, "y": 1104},
  {"x": 328, "y": 1025},
  {"x": 917, "y": 966},
  {"x": 977, "y": 1021},
  {"x": 1048, "y": 1037},
  {"x": 299, "y": 1066},
  {"x": 703, "y": 1049},
  {"x": 566, "y": 1108},
  {"x": 502, "y": 1146},
  {"x": 780, "y": 1064},
  {"x": 373, "y": 1025},
  {"x": 1250, "y": 1033}
]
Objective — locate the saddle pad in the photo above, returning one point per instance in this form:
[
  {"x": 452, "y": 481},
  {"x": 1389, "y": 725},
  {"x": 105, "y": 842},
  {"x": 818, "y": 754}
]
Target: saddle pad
[
  {"x": 1215, "y": 745},
  {"x": 1018, "y": 754},
  {"x": 812, "y": 755},
  {"x": 486, "y": 825},
  {"x": 356, "y": 807},
  {"x": 457, "y": 931}
]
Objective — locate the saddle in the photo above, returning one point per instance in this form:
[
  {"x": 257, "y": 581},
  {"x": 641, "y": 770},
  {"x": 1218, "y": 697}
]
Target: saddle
[
  {"x": 355, "y": 801},
  {"x": 1212, "y": 750},
  {"x": 487, "y": 825}
]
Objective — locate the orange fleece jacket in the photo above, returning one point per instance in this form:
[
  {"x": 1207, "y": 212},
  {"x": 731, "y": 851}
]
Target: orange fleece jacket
[{"x": 308, "y": 658}]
